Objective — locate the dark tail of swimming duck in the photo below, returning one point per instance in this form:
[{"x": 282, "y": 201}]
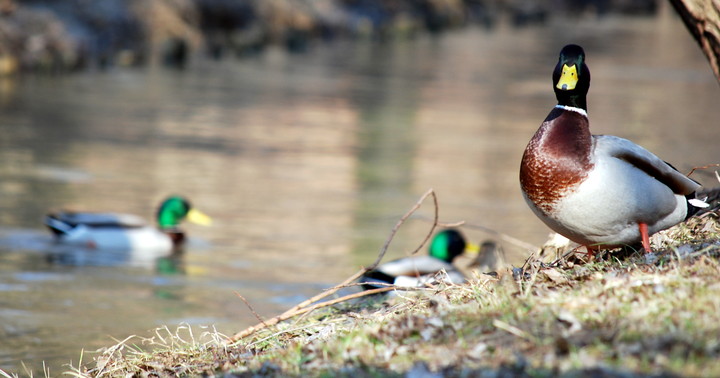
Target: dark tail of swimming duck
[
  {"x": 56, "y": 225},
  {"x": 371, "y": 279},
  {"x": 703, "y": 201}
]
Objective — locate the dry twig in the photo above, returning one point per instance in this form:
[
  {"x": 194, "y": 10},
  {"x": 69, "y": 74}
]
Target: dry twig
[
  {"x": 502, "y": 236},
  {"x": 701, "y": 167},
  {"x": 247, "y": 303},
  {"x": 307, "y": 305}
]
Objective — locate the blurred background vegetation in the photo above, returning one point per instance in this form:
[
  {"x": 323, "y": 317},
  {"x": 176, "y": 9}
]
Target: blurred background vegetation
[{"x": 68, "y": 35}]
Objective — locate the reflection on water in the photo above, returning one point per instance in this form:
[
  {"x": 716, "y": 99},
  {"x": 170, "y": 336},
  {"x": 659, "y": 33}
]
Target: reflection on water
[{"x": 306, "y": 162}]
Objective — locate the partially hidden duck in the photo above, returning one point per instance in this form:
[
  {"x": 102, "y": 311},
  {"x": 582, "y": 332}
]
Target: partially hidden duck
[
  {"x": 598, "y": 190},
  {"x": 126, "y": 232},
  {"x": 420, "y": 269}
]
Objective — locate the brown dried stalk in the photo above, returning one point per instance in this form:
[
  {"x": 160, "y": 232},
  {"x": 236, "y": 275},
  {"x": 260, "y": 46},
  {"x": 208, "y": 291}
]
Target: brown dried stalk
[
  {"x": 702, "y": 167},
  {"x": 504, "y": 237},
  {"x": 307, "y": 305}
]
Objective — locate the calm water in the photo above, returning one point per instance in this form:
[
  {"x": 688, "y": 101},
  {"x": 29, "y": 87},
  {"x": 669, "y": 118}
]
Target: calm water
[{"x": 305, "y": 162}]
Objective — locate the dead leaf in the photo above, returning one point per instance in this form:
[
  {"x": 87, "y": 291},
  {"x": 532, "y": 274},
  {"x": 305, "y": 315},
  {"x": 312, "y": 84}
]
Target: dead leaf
[{"x": 554, "y": 275}]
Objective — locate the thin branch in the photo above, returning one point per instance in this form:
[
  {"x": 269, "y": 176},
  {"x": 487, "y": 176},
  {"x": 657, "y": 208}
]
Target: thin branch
[
  {"x": 381, "y": 255},
  {"x": 400, "y": 223},
  {"x": 505, "y": 237},
  {"x": 257, "y": 316},
  {"x": 453, "y": 224},
  {"x": 287, "y": 315},
  {"x": 307, "y": 306},
  {"x": 351, "y": 296},
  {"x": 702, "y": 167}
]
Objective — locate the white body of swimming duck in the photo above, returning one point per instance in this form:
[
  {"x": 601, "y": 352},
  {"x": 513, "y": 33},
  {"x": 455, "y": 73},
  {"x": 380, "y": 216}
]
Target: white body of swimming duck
[
  {"x": 413, "y": 271},
  {"x": 125, "y": 232},
  {"x": 416, "y": 271},
  {"x": 597, "y": 190}
]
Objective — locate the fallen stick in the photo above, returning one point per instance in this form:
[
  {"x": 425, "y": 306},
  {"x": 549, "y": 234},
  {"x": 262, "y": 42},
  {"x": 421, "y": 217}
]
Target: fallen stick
[
  {"x": 504, "y": 237},
  {"x": 702, "y": 167},
  {"x": 302, "y": 307},
  {"x": 285, "y": 316}
]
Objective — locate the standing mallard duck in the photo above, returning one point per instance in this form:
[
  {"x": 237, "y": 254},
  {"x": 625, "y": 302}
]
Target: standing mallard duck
[
  {"x": 125, "y": 232},
  {"x": 416, "y": 270},
  {"x": 597, "y": 190}
]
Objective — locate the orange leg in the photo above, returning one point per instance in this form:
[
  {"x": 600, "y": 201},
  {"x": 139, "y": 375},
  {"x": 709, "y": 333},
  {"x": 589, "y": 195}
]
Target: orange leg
[
  {"x": 589, "y": 251},
  {"x": 645, "y": 237}
]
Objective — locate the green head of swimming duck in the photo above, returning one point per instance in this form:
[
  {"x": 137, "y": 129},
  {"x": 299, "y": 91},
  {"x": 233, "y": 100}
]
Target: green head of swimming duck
[
  {"x": 175, "y": 209},
  {"x": 447, "y": 245},
  {"x": 571, "y": 77}
]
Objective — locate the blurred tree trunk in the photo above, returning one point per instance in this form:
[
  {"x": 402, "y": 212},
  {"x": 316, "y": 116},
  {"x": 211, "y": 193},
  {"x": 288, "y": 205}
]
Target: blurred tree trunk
[{"x": 702, "y": 18}]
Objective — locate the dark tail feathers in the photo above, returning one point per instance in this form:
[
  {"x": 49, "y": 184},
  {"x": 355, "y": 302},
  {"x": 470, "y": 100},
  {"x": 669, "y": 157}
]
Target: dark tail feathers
[{"x": 710, "y": 196}]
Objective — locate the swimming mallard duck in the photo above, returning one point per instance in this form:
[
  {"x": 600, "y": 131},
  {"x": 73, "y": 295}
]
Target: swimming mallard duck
[
  {"x": 125, "y": 232},
  {"x": 597, "y": 190},
  {"x": 416, "y": 270}
]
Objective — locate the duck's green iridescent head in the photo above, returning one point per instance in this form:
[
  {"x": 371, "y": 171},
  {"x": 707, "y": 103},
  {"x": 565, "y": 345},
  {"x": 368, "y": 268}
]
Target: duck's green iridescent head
[
  {"x": 447, "y": 245},
  {"x": 174, "y": 209}
]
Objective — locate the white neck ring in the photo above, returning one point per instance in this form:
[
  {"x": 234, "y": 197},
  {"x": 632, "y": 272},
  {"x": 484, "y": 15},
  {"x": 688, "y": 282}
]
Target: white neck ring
[{"x": 572, "y": 109}]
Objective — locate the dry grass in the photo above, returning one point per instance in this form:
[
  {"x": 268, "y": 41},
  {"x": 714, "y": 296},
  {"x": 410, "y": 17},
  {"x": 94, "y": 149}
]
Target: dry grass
[{"x": 629, "y": 316}]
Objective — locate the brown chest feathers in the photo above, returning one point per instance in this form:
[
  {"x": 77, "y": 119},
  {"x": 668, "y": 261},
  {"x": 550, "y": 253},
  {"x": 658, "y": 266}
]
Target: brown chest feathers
[{"x": 557, "y": 158}]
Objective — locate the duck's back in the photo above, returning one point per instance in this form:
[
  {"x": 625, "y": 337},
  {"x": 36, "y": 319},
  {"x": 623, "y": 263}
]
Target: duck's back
[{"x": 98, "y": 220}]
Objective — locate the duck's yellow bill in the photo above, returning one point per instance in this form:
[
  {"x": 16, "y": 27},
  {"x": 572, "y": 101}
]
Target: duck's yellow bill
[
  {"x": 472, "y": 249},
  {"x": 568, "y": 78},
  {"x": 197, "y": 217}
]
